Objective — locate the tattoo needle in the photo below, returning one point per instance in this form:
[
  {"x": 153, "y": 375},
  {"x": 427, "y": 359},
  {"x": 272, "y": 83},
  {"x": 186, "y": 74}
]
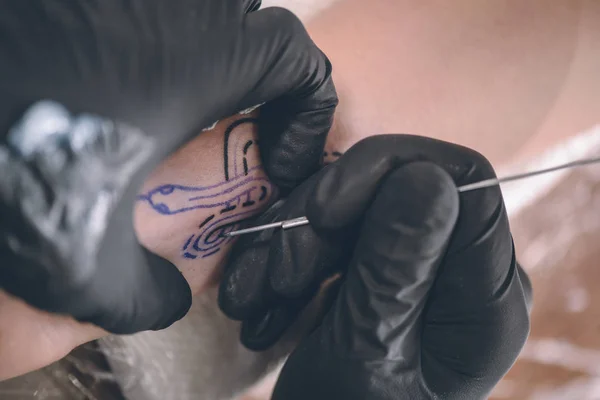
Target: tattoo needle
[{"x": 301, "y": 221}]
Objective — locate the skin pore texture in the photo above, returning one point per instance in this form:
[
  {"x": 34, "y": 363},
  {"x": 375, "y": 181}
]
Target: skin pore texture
[{"x": 505, "y": 78}]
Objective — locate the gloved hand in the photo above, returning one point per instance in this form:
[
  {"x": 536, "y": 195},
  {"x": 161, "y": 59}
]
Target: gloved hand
[
  {"x": 169, "y": 68},
  {"x": 432, "y": 304}
]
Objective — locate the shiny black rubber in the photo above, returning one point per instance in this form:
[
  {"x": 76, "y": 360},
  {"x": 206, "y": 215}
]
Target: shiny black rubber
[{"x": 433, "y": 304}]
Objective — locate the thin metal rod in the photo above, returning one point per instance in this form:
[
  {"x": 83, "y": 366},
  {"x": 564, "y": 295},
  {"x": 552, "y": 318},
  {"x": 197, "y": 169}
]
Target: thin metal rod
[
  {"x": 301, "y": 221},
  {"x": 256, "y": 228},
  {"x": 497, "y": 181},
  {"x": 287, "y": 224}
]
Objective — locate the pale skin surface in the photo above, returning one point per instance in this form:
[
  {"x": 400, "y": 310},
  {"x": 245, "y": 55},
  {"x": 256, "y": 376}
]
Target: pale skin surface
[{"x": 506, "y": 78}]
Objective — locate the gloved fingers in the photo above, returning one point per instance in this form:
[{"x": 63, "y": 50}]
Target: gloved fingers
[
  {"x": 256, "y": 289},
  {"x": 292, "y": 318},
  {"x": 148, "y": 295},
  {"x": 294, "y": 78},
  {"x": 350, "y": 184},
  {"x": 244, "y": 290},
  {"x": 31, "y": 241},
  {"x": 300, "y": 259},
  {"x": 298, "y": 264},
  {"x": 380, "y": 307},
  {"x": 24, "y": 279},
  {"x": 369, "y": 342},
  {"x": 467, "y": 332},
  {"x": 477, "y": 318},
  {"x": 272, "y": 275},
  {"x": 76, "y": 248},
  {"x": 527, "y": 288},
  {"x": 482, "y": 235},
  {"x": 168, "y": 300},
  {"x": 151, "y": 296},
  {"x": 177, "y": 16}
]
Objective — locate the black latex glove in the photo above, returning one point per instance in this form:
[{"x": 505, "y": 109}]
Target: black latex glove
[
  {"x": 433, "y": 304},
  {"x": 169, "y": 68}
]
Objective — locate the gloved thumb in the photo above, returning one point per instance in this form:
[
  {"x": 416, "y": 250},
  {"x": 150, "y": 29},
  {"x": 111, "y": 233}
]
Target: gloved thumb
[{"x": 374, "y": 327}]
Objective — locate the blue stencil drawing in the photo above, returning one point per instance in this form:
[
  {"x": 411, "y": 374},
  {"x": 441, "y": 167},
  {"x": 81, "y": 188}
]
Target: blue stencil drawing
[{"x": 243, "y": 191}]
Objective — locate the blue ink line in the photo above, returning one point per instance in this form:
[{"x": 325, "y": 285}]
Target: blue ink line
[
  {"x": 168, "y": 189},
  {"x": 185, "y": 246},
  {"x": 163, "y": 209}
]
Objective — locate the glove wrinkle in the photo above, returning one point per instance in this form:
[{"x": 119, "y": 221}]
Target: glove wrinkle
[{"x": 431, "y": 304}]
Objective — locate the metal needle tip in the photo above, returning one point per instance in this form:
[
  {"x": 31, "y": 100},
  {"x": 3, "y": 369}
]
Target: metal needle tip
[{"x": 290, "y": 223}]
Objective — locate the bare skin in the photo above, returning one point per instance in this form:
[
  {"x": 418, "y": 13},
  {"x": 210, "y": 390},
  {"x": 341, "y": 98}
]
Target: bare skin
[{"x": 506, "y": 78}]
